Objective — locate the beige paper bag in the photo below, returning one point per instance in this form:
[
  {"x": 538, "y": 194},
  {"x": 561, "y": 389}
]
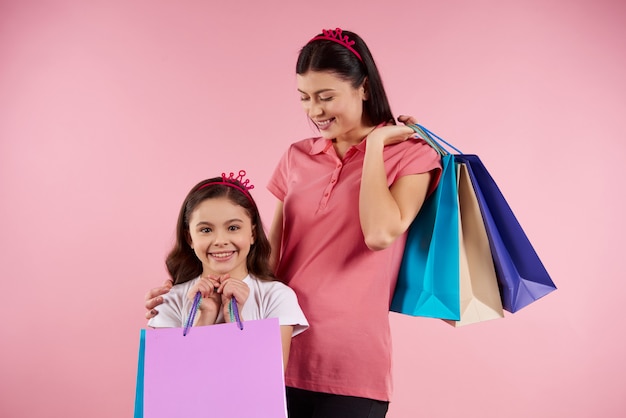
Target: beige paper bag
[{"x": 479, "y": 292}]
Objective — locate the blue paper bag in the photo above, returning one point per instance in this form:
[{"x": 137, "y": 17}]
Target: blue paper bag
[{"x": 428, "y": 281}]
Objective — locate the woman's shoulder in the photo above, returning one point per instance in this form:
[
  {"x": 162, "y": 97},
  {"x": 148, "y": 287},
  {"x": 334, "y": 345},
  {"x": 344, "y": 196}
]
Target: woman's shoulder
[
  {"x": 414, "y": 144},
  {"x": 308, "y": 140},
  {"x": 412, "y": 149},
  {"x": 307, "y": 144}
]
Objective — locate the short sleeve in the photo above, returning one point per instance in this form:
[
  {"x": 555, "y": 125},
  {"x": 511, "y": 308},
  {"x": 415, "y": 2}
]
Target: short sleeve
[
  {"x": 282, "y": 303},
  {"x": 278, "y": 182},
  {"x": 421, "y": 158}
]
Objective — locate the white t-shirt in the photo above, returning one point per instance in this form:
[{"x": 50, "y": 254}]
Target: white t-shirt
[{"x": 267, "y": 299}]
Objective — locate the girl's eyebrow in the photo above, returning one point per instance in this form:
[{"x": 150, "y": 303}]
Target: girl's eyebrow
[
  {"x": 203, "y": 223},
  {"x": 229, "y": 221}
]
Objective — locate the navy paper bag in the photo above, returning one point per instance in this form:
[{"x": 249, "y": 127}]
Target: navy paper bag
[{"x": 522, "y": 278}]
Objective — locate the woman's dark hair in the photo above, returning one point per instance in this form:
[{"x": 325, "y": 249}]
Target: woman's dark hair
[
  {"x": 183, "y": 264},
  {"x": 326, "y": 55}
]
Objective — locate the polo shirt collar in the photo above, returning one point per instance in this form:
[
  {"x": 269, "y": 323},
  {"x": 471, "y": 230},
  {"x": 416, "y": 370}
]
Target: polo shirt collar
[{"x": 321, "y": 145}]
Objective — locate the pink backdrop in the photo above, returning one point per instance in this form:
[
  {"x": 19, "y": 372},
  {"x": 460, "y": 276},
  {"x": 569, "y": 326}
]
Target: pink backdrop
[{"x": 110, "y": 111}]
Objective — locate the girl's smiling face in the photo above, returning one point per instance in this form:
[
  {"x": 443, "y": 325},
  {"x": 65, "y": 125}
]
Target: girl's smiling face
[
  {"x": 220, "y": 233},
  {"x": 333, "y": 104}
]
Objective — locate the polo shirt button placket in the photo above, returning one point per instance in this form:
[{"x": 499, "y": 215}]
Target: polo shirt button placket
[
  {"x": 329, "y": 188},
  {"x": 336, "y": 173},
  {"x": 333, "y": 179}
]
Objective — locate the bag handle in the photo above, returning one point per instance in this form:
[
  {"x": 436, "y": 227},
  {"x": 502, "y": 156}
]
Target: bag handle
[{"x": 427, "y": 136}]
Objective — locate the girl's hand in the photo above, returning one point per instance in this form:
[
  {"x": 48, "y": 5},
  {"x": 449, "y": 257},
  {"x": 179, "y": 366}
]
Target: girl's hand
[
  {"x": 230, "y": 288},
  {"x": 155, "y": 297},
  {"x": 211, "y": 300}
]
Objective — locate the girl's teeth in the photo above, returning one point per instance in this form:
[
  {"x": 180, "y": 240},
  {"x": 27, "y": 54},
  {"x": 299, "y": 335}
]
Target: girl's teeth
[{"x": 221, "y": 255}]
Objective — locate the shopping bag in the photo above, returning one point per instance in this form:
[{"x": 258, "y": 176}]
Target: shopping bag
[
  {"x": 428, "y": 280},
  {"x": 479, "y": 292},
  {"x": 522, "y": 277},
  {"x": 139, "y": 385},
  {"x": 213, "y": 371}
]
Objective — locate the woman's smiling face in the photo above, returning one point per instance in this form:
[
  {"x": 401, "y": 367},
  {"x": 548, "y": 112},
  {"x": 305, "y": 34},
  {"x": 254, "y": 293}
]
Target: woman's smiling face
[{"x": 332, "y": 103}]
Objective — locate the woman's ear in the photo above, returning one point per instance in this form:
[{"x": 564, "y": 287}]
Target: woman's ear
[{"x": 365, "y": 90}]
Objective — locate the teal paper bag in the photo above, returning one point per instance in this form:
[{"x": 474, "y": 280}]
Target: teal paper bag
[
  {"x": 139, "y": 386},
  {"x": 428, "y": 281}
]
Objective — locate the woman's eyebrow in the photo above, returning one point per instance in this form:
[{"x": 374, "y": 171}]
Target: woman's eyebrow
[{"x": 317, "y": 92}]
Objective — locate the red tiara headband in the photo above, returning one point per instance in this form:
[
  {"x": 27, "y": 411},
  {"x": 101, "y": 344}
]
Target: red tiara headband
[
  {"x": 337, "y": 36},
  {"x": 230, "y": 182}
]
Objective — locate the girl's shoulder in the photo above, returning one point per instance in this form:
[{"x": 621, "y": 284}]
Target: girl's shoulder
[
  {"x": 183, "y": 287},
  {"x": 268, "y": 286}
]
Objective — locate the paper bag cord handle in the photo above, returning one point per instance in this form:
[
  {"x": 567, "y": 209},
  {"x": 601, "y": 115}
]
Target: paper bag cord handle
[
  {"x": 428, "y": 135},
  {"x": 192, "y": 314},
  {"x": 233, "y": 310}
]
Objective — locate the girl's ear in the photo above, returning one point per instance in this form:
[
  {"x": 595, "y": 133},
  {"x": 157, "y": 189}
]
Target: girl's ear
[
  {"x": 188, "y": 239},
  {"x": 253, "y": 238}
]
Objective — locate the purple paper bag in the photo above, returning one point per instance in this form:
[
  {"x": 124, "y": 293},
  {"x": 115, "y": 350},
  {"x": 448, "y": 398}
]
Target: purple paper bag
[{"x": 213, "y": 371}]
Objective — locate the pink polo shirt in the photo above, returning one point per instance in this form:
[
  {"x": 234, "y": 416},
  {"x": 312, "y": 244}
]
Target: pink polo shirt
[{"x": 343, "y": 287}]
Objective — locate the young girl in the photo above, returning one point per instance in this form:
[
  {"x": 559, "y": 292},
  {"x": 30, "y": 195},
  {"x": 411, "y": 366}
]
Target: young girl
[{"x": 222, "y": 251}]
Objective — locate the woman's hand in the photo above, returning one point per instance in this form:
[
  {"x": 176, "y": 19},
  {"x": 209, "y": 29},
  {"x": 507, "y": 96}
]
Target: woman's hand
[
  {"x": 407, "y": 120},
  {"x": 230, "y": 288},
  {"x": 211, "y": 300},
  {"x": 155, "y": 297},
  {"x": 392, "y": 134}
]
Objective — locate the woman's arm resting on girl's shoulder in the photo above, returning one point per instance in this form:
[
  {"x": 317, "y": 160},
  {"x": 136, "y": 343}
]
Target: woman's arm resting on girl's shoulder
[{"x": 154, "y": 298}]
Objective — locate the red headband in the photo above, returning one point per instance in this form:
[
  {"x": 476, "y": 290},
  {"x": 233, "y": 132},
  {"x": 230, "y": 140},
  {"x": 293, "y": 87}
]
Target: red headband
[
  {"x": 230, "y": 183},
  {"x": 336, "y": 36}
]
